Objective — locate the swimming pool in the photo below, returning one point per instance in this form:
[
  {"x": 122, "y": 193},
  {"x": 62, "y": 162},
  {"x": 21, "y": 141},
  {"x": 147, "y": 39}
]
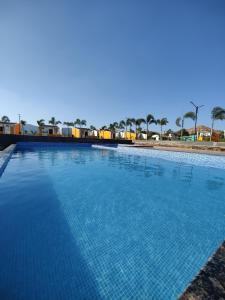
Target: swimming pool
[{"x": 86, "y": 223}]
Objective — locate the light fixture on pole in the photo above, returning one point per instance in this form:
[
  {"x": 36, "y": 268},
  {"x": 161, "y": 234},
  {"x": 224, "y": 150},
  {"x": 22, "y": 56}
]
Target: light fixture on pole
[
  {"x": 197, "y": 107},
  {"x": 19, "y": 115}
]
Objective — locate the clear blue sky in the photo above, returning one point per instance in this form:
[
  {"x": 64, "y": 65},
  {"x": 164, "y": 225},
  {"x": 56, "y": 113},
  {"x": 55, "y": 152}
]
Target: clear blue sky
[{"x": 104, "y": 60}]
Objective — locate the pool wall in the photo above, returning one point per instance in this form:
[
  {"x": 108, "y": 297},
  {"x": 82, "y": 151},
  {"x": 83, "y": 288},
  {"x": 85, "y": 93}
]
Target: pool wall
[
  {"x": 5, "y": 157},
  {"x": 8, "y": 139},
  {"x": 35, "y": 145}
]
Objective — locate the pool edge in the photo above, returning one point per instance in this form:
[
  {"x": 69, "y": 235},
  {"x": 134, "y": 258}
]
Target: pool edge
[
  {"x": 209, "y": 283},
  {"x": 5, "y": 156}
]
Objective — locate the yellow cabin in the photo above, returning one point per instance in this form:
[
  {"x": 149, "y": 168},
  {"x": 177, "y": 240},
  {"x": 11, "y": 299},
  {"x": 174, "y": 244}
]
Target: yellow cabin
[
  {"x": 105, "y": 134},
  {"x": 76, "y": 132},
  {"x": 130, "y": 135}
]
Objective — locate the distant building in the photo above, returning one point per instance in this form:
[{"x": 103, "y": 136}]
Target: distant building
[
  {"x": 29, "y": 129},
  {"x": 9, "y": 128},
  {"x": 105, "y": 134},
  {"x": 129, "y": 135},
  {"x": 93, "y": 133},
  {"x": 78, "y": 132},
  {"x": 51, "y": 130},
  {"x": 155, "y": 137},
  {"x": 142, "y": 136}
]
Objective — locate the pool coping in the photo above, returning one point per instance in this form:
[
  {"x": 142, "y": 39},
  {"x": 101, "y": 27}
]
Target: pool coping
[
  {"x": 5, "y": 156},
  {"x": 209, "y": 284}
]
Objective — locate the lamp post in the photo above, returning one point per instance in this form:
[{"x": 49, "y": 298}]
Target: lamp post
[
  {"x": 197, "y": 107},
  {"x": 19, "y": 115}
]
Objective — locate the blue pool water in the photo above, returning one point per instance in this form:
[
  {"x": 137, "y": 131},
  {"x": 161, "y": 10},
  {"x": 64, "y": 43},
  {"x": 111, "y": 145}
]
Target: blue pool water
[{"x": 84, "y": 223}]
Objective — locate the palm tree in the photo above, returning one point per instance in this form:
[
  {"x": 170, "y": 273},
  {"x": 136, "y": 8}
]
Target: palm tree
[
  {"x": 92, "y": 127},
  {"x": 162, "y": 122},
  {"x": 122, "y": 124},
  {"x": 180, "y": 121},
  {"x": 83, "y": 123},
  {"x": 116, "y": 125},
  {"x": 138, "y": 123},
  {"x": 66, "y": 123},
  {"x": 41, "y": 123},
  {"x": 217, "y": 113},
  {"x": 126, "y": 124},
  {"x": 149, "y": 120},
  {"x": 54, "y": 122},
  {"x": 77, "y": 122},
  {"x": 129, "y": 123},
  {"x": 5, "y": 119},
  {"x": 112, "y": 127},
  {"x": 23, "y": 123}
]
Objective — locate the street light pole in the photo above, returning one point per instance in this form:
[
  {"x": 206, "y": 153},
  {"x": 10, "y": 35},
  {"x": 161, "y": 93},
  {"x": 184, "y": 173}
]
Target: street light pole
[
  {"x": 19, "y": 123},
  {"x": 197, "y": 107}
]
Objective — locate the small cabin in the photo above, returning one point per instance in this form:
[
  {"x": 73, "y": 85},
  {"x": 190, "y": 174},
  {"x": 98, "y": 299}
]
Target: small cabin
[
  {"x": 10, "y": 128},
  {"x": 155, "y": 137},
  {"x": 76, "y": 132},
  {"x": 29, "y": 129},
  {"x": 130, "y": 135},
  {"x": 142, "y": 136},
  {"x": 71, "y": 132},
  {"x": 93, "y": 133},
  {"x": 105, "y": 134},
  {"x": 49, "y": 130}
]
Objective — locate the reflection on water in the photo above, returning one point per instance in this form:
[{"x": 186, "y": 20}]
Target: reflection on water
[
  {"x": 215, "y": 183},
  {"x": 140, "y": 165}
]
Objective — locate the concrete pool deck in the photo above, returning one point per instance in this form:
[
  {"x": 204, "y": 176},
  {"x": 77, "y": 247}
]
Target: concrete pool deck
[{"x": 188, "y": 147}]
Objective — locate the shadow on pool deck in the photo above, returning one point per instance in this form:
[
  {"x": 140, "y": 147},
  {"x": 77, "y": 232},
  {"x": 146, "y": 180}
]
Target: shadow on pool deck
[{"x": 39, "y": 258}]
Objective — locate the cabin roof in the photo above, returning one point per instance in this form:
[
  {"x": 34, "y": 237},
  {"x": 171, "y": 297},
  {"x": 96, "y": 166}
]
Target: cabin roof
[
  {"x": 48, "y": 125},
  {"x": 7, "y": 123}
]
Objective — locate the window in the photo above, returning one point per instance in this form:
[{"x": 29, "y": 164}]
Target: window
[{"x": 50, "y": 131}]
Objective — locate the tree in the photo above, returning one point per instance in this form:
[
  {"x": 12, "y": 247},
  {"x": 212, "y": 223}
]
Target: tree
[
  {"x": 5, "y": 119},
  {"x": 77, "y": 122},
  {"x": 162, "y": 122},
  {"x": 217, "y": 113},
  {"x": 180, "y": 121},
  {"x": 138, "y": 123},
  {"x": 54, "y": 122},
  {"x": 41, "y": 123},
  {"x": 83, "y": 123},
  {"x": 129, "y": 122},
  {"x": 66, "y": 123},
  {"x": 22, "y": 123},
  {"x": 113, "y": 126},
  {"x": 197, "y": 107},
  {"x": 92, "y": 127},
  {"x": 122, "y": 124},
  {"x": 149, "y": 120}
]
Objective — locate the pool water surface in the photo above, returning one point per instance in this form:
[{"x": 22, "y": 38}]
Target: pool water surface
[{"x": 85, "y": 223}]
